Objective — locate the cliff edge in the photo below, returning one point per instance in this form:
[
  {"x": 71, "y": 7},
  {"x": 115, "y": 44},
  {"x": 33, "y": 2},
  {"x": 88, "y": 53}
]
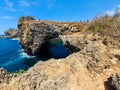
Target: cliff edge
[
  {"x": 93, "y": 63},
  {"x": 88, "y": 69}
]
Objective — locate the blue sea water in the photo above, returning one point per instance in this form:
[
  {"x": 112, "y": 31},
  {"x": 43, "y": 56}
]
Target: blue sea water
[
  {"x": 12, "y": 57},
  {"x": 57, "y": 49}
]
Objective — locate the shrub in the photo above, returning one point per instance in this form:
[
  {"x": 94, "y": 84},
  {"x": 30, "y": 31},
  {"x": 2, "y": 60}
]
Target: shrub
[
  {"x": 20, "y": 71},
  {"x": 23, "y": 18}
]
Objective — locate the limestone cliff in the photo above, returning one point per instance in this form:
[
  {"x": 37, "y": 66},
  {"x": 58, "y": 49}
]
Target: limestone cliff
[
  {"x": 34, "y": 35},
  {"x": 88, "y": 69},
  {"x": 11, "y": 33},
  {"x": 93, "y": 63}
]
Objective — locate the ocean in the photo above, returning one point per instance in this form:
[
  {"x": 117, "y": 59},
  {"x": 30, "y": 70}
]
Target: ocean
[{"x": 13, "y": 59}]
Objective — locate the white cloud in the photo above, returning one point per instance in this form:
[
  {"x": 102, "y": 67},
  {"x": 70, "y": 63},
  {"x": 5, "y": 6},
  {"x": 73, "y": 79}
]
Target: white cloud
[
  {"x": 9, "y": 5},
  {"x": 113, "y": 10},
  {"x": 6, "y": 17},
  {"x": 24, "y": 3},
  {"x": 118, "y": 6},
  {"x": 110, "y": 12}
]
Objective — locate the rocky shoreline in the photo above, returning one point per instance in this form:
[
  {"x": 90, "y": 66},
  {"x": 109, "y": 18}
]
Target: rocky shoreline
[{"x": 93, "y": 63}]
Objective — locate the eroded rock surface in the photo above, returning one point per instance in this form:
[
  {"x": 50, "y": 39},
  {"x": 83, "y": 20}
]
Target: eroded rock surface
[
  {"x": 113, "y": 82},
  {"x": 87, "y": 69},
  {"x": 6, "y": 77},
  {"x": 34, "y": 35},
  {"x": 11, "y": 33}
]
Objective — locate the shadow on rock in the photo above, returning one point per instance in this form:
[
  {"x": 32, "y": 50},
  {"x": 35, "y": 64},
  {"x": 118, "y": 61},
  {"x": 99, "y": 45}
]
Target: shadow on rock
[
  {"x": 71, "y": 48},
  {"x": 113, "y": 82}
]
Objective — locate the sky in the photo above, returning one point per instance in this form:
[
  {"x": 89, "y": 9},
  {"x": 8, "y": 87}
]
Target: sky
[{"x": 57, "y": 10}]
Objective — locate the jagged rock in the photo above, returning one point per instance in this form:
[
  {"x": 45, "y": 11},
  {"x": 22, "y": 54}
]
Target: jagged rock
[
  {"x": 87, "y": 69},
  {"x": 114, "y": 81},
  {"x": 74, "y": 44},
  {"x": 11, "y": 33},
  {"x": 34, "y": 36},
  {"x": 6, "y": 77},
  {"x": 94, "y": 48}
]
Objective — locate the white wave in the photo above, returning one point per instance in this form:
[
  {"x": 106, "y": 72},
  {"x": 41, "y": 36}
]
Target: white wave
[
  {"x": 21, "y": 56},
  {"x": 25, "y": 55},
  {"x": 15, "y": 39}
]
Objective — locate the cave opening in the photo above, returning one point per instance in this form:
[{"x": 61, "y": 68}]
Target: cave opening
[{"x": 54, "y": 48}]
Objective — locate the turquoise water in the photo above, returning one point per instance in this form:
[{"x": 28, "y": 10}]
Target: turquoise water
[
  {"x": 13, "y": 59},
  {"x": 56, "y": 49}
]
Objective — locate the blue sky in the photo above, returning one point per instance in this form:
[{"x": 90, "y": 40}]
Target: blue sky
[{"x": 58, "y": 10}]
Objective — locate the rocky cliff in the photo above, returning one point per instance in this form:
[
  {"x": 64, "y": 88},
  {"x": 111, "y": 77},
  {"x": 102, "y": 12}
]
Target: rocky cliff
[
  {"x": 11, "y": 33},
  {"x": 91, "y": 68},
  {"x": 94, "y": 62},
  {"x": 35, "y": 35}
]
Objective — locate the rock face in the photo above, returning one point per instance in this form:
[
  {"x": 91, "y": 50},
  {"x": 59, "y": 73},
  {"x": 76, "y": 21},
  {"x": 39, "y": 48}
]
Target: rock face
[
  {"x": 11, "y": 33},
  {"x": 6, "y": 77},
  {"x": 34, "y": 35},
  {"x": 114, "y": 81},
  {"x": 88, "y": 69},
  {"x": 74, "y": 44}
]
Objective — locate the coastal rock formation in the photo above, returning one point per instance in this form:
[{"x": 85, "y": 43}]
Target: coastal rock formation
[
  {"x": 93, "y": 62},
  {"x": 11, "y": 33},
  {"x": 74, "y": 44},
  {"x": 34, "y": 35},
  {"x": 88, "y": 69}
]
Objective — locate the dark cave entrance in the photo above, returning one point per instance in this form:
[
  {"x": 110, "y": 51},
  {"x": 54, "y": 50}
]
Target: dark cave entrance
[{"x": 54, "y": 48}]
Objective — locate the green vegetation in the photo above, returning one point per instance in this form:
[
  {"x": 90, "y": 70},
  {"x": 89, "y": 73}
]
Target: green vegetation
[
  {"x": 105, "y": 25},
  {"x": 20, "y": 71},
  {"x": 23, "y": 18}
]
